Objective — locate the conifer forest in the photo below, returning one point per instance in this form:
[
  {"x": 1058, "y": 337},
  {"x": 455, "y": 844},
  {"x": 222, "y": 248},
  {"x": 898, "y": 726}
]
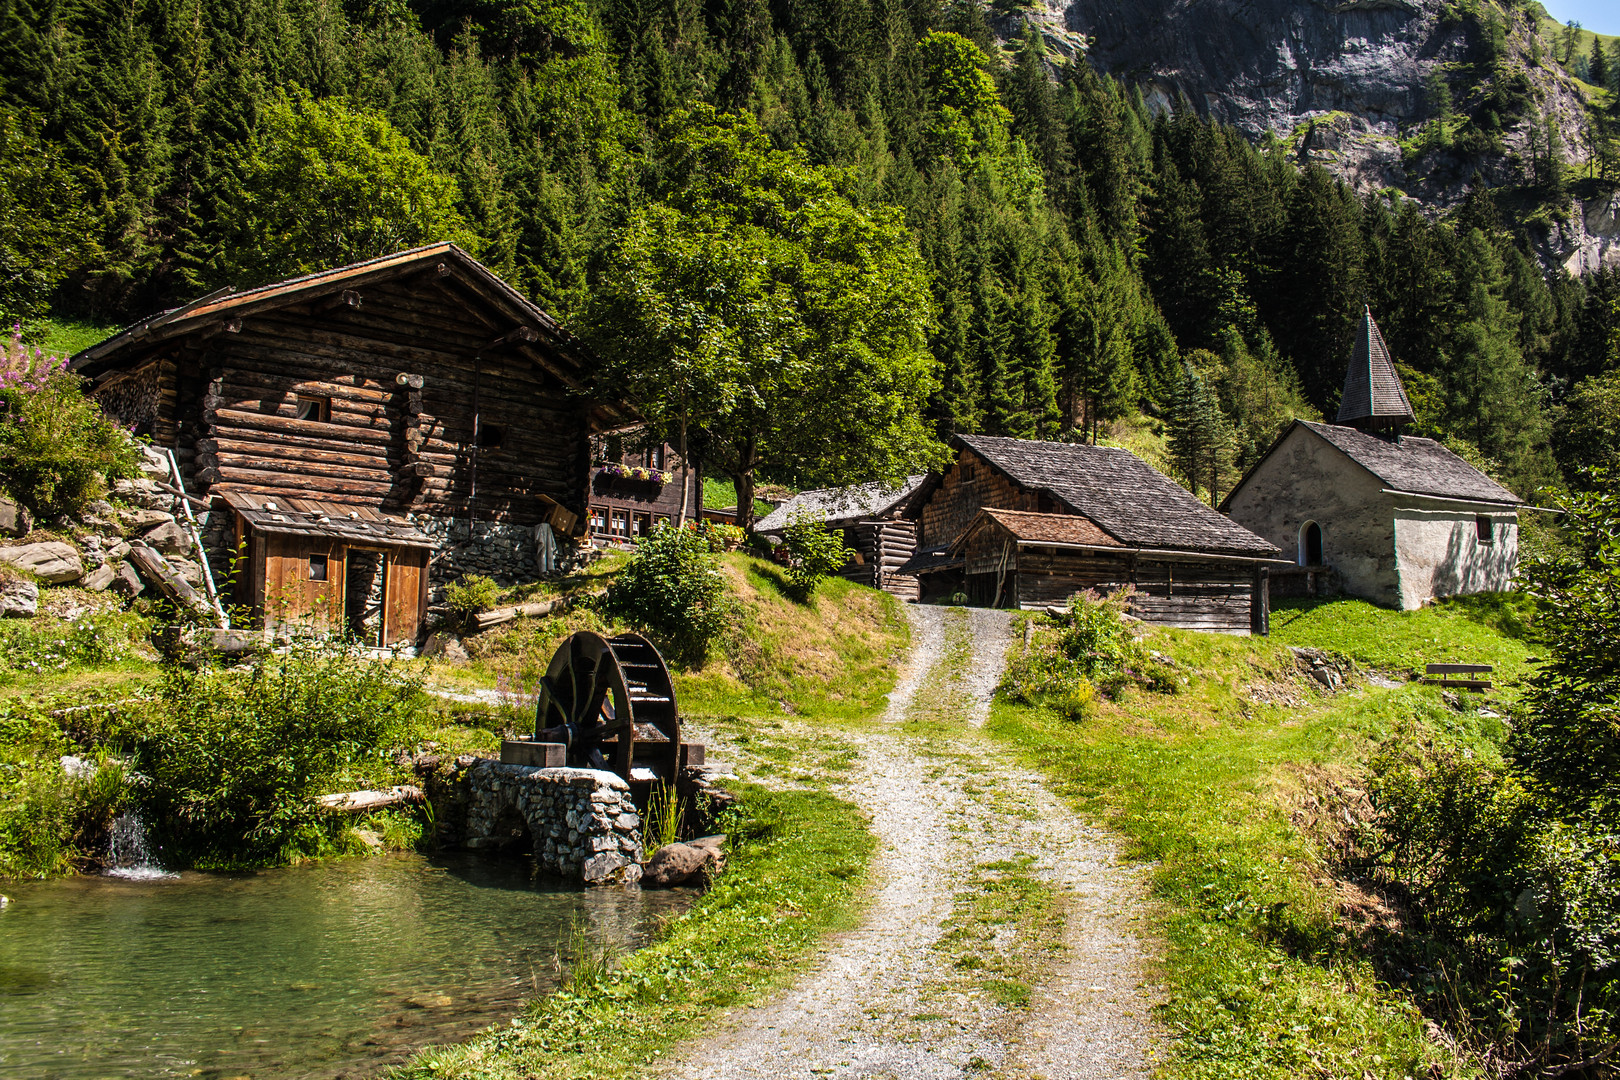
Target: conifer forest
[{"x": 1088, "y": 258}]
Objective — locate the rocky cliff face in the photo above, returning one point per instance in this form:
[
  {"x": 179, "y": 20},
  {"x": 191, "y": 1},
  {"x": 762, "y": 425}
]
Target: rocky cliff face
[{"x": 1342, "y": 81}]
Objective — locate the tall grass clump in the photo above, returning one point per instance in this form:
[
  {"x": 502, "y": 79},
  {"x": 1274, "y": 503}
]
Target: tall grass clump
[
  {"x": 53, "y": 820},
  {"x": 235, "y": 758},
  {"x": 666, "y": 811}
]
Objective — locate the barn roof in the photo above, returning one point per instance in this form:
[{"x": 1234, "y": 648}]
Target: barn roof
[
  {"x": 503, "y": 308},
  {"x": 1412, "y": 464},
  {"x": 1129, "y": 499},
  {"x": 837, "y": 506},
  {"x": 309, "y": 517},
  {"x": 1373, "y": 393},
  {"x": 1028, "y": 527}
]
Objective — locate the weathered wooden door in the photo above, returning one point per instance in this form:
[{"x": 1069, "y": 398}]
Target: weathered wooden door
[{"x": 404, "y": 594}]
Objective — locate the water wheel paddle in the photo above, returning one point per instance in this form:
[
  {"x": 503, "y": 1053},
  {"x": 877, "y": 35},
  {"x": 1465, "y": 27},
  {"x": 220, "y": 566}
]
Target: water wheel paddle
[{"x": 611, "y": 702}]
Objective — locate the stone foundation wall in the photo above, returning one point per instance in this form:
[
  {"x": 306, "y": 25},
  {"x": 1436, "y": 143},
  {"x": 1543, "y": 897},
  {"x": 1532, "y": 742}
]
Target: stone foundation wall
[
  {"x": 501, "y": 551},
  {"x": 581, "y": 823}
]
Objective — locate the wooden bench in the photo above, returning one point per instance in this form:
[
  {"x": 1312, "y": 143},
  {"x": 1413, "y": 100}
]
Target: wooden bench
[{"x": 1446, "y": 671}]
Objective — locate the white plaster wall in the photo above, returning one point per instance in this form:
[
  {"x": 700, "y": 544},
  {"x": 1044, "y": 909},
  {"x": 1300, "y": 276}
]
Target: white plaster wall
[
  {"x": 1440, "y": 553},
  {"x": 1307, "y": 479}
]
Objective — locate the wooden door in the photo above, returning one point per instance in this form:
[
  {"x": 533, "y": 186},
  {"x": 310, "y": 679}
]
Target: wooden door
[{"x": 404, "y": 594}]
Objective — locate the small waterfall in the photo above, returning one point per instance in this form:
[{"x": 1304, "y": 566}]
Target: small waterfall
[{"x": 128, "y": 855}]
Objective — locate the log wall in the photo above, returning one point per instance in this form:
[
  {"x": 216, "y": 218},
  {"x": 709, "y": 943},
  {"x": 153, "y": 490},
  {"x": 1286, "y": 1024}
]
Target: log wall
[
  {"x": 968, "y": 485},
  {"x": 881, "y": 547},
  {"x": 229, "y": 404}
]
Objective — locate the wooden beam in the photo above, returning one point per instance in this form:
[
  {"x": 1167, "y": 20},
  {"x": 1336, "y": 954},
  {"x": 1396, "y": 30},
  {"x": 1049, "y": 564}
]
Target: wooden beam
[
  {"x": 524, "y": 334},
  {"x": 348, "y": 298}
]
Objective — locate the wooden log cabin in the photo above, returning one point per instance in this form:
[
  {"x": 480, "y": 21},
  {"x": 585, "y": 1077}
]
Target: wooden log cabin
[
  {"x": 880, "y": 538},
  {"x": 1018, "y": 523},
  {"x": 635, "y": 484},
  {"x": 364, "y": 433}
]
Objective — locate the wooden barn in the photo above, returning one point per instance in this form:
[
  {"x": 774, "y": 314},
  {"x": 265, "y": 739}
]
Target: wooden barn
[
  {"x": 364, "y": 433},
  {"x": 635, "y": 484},
  {"x": 870, "y": 517},
  {"x": 1017, "y": 523}
]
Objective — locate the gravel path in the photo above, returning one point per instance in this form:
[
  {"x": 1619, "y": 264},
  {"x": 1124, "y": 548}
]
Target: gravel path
[{"x": 885, "y": 1000}]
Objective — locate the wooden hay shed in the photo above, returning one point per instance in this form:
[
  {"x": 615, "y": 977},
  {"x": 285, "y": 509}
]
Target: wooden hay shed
[{"x": 869, "y": 516}]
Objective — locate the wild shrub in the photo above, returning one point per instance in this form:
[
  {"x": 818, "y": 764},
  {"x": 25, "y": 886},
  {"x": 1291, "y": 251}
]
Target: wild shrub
[
  {"x": 1511, "y": 870},
  {"x": 673, "y": 589},
  {"x": 235, "y": 759},
  {"x": 814, "y": 552},
  {"x": 1093, "y": 652},
  {"x": 471, "y": 594},
  {"x": 52, "y": 820},
  {"x": 57, "y": 451}
]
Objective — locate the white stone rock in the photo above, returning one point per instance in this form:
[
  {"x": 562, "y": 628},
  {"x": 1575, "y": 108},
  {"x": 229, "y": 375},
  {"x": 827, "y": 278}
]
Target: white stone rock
[
  {"x": 167, "y": 537},
  {"x": 51, "y": 561},
  {"x": 101, "y": 578},
  {"x": 19, "y": 600}
]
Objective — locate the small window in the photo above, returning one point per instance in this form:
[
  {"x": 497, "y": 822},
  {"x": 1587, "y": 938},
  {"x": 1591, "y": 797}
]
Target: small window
[
  {"x": 967, "y": 471},
  {"x": 640, "y": 524},
  {"x": 490, "y": 436},
  {"x": 599, "y": 519},
  {"x": 318, "y": 409},
  {"x": 621, "y": 523},
  {"x": 655, "y": 456},
  {"x": 317, "y": 568},
  {"x": 1483, "y": 530}
]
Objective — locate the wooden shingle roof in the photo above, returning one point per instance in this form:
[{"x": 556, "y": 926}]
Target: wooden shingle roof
[
  {"x": 1412, "y": 464},
  {"x": 1028, "y": 527},
  {"x": 1373, "y": 393},
  {"x": 1129, "y": 499}
]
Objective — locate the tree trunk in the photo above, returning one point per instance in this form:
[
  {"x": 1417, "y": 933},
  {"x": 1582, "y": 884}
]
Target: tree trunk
[
  {"x": 686, "y": 474},
  {"x": 744, "y": 476}
]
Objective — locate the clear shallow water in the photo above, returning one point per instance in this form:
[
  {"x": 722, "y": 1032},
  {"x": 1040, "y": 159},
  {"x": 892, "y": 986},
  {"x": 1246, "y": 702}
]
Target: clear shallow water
[{"x": 333, "y": 970}]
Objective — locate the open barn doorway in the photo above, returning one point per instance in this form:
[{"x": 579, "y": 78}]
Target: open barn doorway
[{"x": 1310, "y": 544}]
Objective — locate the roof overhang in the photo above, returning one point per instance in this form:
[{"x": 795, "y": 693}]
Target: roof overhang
[{"x": 361, "y": 526}]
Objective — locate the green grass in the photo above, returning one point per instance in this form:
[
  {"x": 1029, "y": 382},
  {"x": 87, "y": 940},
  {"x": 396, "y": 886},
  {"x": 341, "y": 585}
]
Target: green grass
[
  {"x": 796, "y": 872},
  {"x": 1232, "y": 791},
  {"x": 1490, "y": 628},
  {"x": 1003, "y": 931},
  {"x": 722, "y": 494},
  {"x": 64, "y": 337}
]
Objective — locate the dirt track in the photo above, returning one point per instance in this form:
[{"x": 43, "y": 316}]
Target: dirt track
[{"x": 949, "y": 806}]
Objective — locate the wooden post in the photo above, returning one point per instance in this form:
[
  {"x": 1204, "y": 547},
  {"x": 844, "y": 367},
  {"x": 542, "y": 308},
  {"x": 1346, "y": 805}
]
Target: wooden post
[{"x": 1260, "y": 603}]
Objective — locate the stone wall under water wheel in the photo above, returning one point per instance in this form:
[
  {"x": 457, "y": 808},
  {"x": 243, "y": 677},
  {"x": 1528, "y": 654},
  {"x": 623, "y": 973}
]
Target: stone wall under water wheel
[{"x": 581, "y": 823}]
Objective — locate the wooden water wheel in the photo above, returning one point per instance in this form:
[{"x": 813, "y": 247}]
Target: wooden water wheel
[{"x": 611, "y": 702}]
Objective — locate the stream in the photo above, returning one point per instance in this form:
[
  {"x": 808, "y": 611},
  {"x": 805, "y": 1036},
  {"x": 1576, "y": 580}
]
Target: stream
[{"x": 336, "y": 969}]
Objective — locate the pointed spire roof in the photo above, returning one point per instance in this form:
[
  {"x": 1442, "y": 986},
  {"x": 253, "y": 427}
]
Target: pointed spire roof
[{"x": 1373, "y": 394}]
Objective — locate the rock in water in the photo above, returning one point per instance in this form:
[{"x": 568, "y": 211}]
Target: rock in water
[
  {"x": 678, "y": 864},
  {"x": 51, "y": 561},
  {"x": 610, "y": 868},
  {"x": 19, "y": 600}
]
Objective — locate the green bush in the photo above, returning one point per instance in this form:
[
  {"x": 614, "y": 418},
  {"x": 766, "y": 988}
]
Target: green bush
[
  {"x": 814, "y": 552},
  {"x": 52, "y": 822},
  {"x": 57, "y": 451},
  {"x": 1093, "y": 651},
  {"x": 672, "y": 588},
  {"x": 471, "y": 594},
  {"x": 234, "y": 759},
  {"x": 1511, "y": 870}
]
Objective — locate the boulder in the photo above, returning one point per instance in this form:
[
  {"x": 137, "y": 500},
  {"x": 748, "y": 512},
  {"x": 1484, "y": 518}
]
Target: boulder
[
  {"x": 19, "y": 600},
  {"x": 445, "y": 646},
  {"x": 51, "y": 561},
  {"x": 154, "y": 463},
  {"x": 677, "y": 864},
  {"x": 611, "y": 868},
  {"x": 14, "y": 520},
  {"x": 101, "y": 578},
  {"x": 190, "y": 570},
  {"x": 138, "y": 520},
  {"x": 127, "y": 581},
  {"x": 167, "y": 537}
]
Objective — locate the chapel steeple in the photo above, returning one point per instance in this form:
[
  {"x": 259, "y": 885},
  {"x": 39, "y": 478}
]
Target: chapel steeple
[{"x": 1373, "y": 395}]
